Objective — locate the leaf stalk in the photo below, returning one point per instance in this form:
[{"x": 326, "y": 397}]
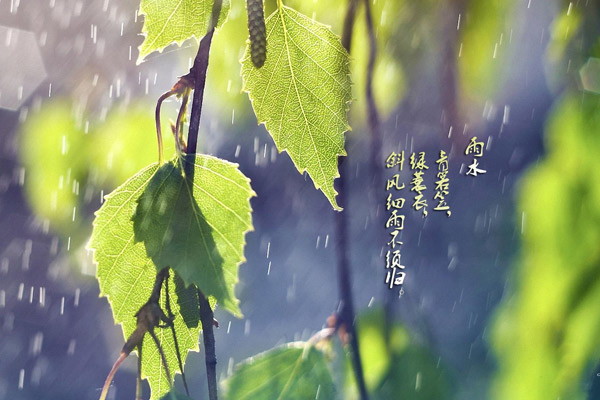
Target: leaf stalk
[
  {"x": 198, "y": 75},
  {"x": 346, "y": 305}
]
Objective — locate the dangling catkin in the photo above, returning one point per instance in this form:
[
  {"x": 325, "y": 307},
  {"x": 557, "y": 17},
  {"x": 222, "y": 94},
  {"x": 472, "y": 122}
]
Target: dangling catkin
[{"x": 258, "y": 32}]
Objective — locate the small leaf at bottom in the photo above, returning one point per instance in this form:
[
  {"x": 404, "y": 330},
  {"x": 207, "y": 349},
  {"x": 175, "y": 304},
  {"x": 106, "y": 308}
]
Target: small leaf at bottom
[{"x": 296, "y": 371}]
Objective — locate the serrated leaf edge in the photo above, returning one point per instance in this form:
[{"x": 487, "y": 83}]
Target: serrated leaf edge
[
  {"x": 110, "y": 301},
  {"x": 142, "y": 57},
  {"x": 245, "y": 89},
  {"x": 252, "y": 193}
]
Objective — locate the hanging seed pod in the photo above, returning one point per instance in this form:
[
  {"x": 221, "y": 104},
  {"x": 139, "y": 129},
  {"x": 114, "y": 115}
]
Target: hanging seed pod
[{"x": 258, "y": 32}]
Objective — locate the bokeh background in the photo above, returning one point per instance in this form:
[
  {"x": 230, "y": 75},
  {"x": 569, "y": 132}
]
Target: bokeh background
[{"x": 501, "y": 300}]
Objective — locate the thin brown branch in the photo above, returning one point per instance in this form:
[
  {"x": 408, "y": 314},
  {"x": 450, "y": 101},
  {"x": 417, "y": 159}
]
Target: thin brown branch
[
  {"x": 349, "y": 24},
  {"x": 373, "y": 113},
  {"x": 162, "y": 98},
  {"x": 346, "y": 306},
  {"x": 198, "y": 76},
  {"x": 179, "y": 124},
  {"x": 111, "y": 375},
  {"x": 207, "y": 319},
  {"x": 376, "y": 141},
  {"x": 449, "y": 77}
]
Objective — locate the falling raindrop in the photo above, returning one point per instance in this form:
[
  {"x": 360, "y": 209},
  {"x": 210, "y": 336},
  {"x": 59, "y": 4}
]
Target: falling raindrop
[
  {"x": 71, "y": 348},
  {"x": 21, "y": 378}
]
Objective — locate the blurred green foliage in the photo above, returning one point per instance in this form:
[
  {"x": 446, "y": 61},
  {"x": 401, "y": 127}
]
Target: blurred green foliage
[
  {"x": 575, "y": 37},
  {"x": 547, "y": 334},
  {"x": 50, "y": 150},
  {"x": 396, "y": 367},
  {"x": 486, "y": 32},
  {"x": 68, "y": 161},
  {"x": 127, "y": 140},
  {"x": 563, "y": 31}
]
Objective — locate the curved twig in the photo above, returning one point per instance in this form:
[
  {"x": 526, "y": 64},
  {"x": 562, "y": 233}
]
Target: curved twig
[
  {"x": 162, "y": 98},
  {"x": 148, "y": 317},
  {"x": 346, "y": 306},
  {"x": 181, "y": 146},
  {"x": 111, "y": 375}
]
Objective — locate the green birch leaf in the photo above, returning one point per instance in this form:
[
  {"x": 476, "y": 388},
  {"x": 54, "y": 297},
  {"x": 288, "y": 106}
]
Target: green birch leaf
[
  {"x": 126, "y": 273},
  {"x": 302, "y": 94},
  {"x": 296, "y": 371},
  {"x": 197, "y": 226},
  {"x": 126, "y": 276},
  {"x": 174, "y": 21}
]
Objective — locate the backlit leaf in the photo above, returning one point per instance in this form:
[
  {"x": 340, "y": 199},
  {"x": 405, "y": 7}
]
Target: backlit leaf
[
  {"x": 197, "y": 226},
  {"x": 126, "y": 276},
  {"x": 126, "y": 273},
  {"x": 174, "y": 21},
  {"x": 296, "y": 371},
  {"x": 302, "y": 94}
]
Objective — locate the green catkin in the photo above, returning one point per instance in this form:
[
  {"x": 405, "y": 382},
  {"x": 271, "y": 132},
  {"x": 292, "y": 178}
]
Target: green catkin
[{"x": 258, "y": 32}]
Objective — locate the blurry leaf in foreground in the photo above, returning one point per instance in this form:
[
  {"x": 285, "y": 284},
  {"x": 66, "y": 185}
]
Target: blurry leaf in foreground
[
  {"x": 413, "y": 374},
  {"x": 398, "y": 370},
  {"x": 484, "y": 47},
  {"x": 126, "y": 143},
  {"x": 547, "y": 334},
  {"x": 53, "y": 152},
  {"x": 590, "y": 75},
  {"x": 65, "y": 167},
  {"x": 296, "y": 371}
]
